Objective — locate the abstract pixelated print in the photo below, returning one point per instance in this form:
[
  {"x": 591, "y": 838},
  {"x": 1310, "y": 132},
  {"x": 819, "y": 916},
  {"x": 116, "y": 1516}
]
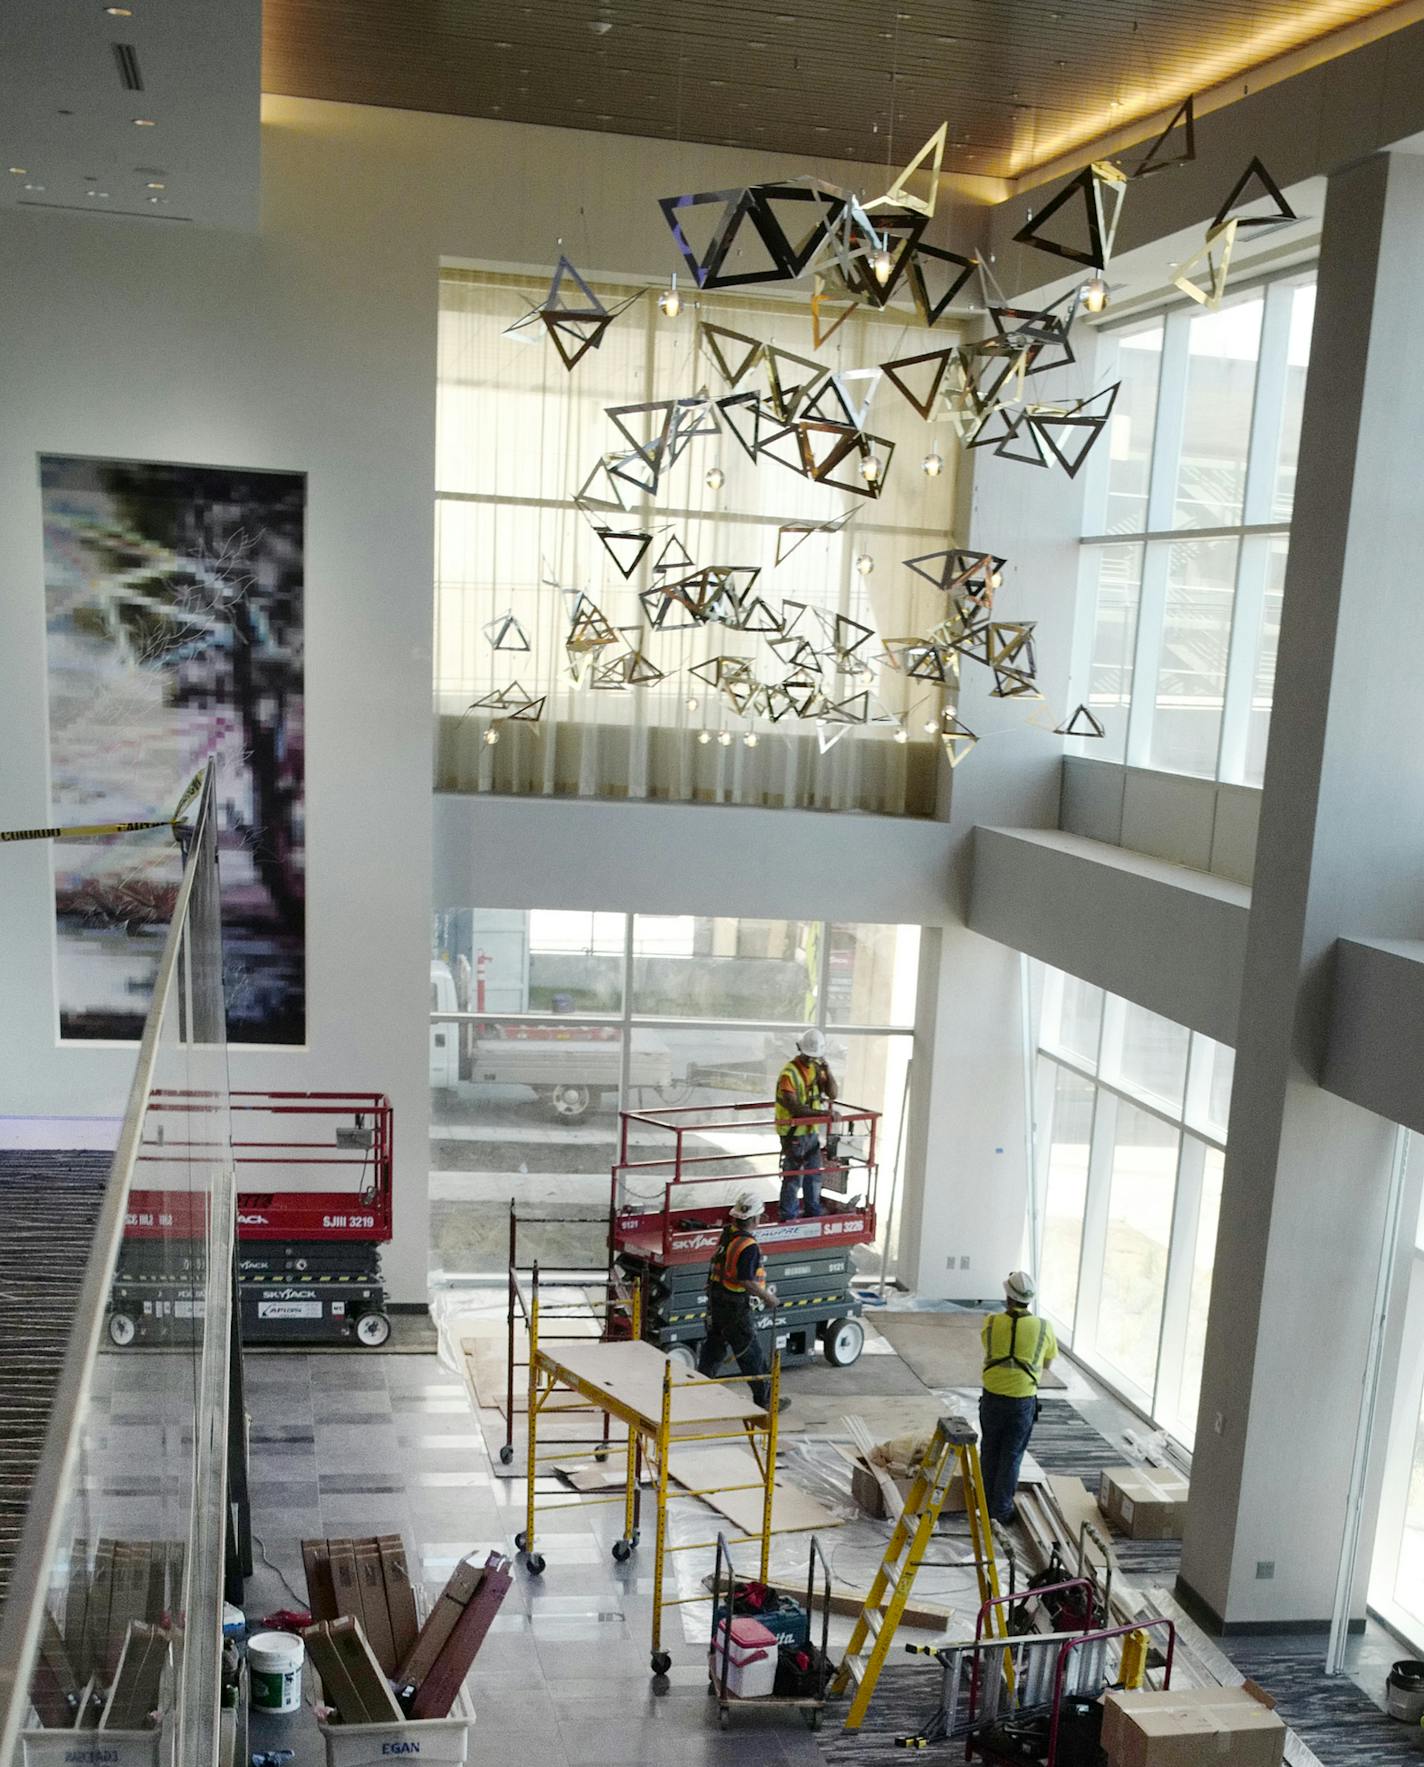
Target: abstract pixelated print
[{"x": 173, "y": 599}]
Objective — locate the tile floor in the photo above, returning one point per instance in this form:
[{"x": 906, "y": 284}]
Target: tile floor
[{"x": 365, "y": 1444}]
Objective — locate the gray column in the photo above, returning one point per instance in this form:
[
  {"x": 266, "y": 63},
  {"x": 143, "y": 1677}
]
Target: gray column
[{"x": 1341, "y": 851}]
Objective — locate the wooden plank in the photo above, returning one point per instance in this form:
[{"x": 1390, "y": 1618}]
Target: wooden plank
[
  {"x": 847, "y": 1601},
  {"x": 631, "y": 1376}
]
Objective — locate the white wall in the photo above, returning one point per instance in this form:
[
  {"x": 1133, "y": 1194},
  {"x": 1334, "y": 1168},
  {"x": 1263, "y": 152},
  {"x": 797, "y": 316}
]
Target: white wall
[{"x": 309, "y": 347}]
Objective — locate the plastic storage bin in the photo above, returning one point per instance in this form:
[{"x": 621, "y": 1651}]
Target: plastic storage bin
[
  {"x": 750, "y": 1660},
  {"x": 90, "y": 1748}
]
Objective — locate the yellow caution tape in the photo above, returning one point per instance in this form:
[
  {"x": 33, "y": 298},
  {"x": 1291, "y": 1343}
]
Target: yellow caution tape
[{"x": 87, "y": 831}]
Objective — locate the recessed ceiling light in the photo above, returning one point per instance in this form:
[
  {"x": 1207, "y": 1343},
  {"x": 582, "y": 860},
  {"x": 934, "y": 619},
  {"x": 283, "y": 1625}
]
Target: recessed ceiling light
[
  {"x": 600, "y": 26},
  {"x": 34, "y": 187},
  {"x": 155, "y": 187},
  {"x": 119, "y": 11},
  {"x": 504, "y": 45},
  {"x": 144, "y": 123},
  {"x": 19, "y": 171}
]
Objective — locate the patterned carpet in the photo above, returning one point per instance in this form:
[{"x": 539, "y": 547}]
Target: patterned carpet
[{"x": 1342, "y": 1724}]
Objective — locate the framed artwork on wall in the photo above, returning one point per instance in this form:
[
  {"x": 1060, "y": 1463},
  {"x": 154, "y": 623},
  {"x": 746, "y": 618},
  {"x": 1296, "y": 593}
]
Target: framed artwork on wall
[{"x": 174, "y": 617}]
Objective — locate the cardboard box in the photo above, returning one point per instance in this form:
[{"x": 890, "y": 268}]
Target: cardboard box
[
  {"x": 865, "y": 1488},
  {"x": 1145, "y": 1502},
  {"x": 1193, "y": 1727}
]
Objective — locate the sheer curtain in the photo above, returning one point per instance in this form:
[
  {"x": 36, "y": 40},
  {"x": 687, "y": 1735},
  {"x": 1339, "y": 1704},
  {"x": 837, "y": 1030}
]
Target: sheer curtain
[{"x": 518, "y": 438}]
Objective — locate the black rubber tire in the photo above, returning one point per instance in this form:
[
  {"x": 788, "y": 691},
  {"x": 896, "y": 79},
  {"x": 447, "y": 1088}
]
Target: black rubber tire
[
  {"x": 683, "y": 1356},
  {"x": 661, "y": 1662},
  {"x": 534, "y": 1564},
  {"x": 122, "y": 1330},
  {"x": 622, "y": 1552},
  {"x": 721, "y": 1717},
  {"x": 506, "y": 1454},
  {"x": 843, "y": 1341},
  {"x": 521, "y": 1540}
]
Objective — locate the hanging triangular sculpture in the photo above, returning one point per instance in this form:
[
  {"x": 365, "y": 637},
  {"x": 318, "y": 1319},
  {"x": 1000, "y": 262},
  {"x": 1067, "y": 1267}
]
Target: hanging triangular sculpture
[
  {"x": 1020, "y": 441},
  {"x": 650, "y": 449},
  {"x": 744, "y": 417},
  {"x": 1269, "y": 188},
  {"x": 625, "y": 548},
  {"x": 899, "y": 194},
  {"x": 1101, "y": 186},
  {"x": 957, "y": 738},
  {"x": 820, "y": 333},
  {"x": 505, "y": 633},
  {"x": 933, "y": 305},
  {"x": 1082, "y": 723},
  {"x": 1216, "y": 256},
  {"x": 923, "y": 401},
  {"x": 674, "y": 557},
  {"x": 1081, "y": 421},
  {"x": 711, "y": 336},
  {"x": 1157, "y": 158}
]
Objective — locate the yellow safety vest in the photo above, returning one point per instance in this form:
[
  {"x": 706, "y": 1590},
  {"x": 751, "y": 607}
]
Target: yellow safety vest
[
  {"x": 1014, "y": 1367},
  {"x": 805, "y": 1089},
  {"x": 723, "y": 1273}
]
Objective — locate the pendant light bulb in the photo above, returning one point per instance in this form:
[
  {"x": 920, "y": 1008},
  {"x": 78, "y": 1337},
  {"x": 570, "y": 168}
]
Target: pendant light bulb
[
  {"x": 870, "y": 468},
  {"x": 901, "y": 734},
  {"x": 491, "y": 736},
  {"x": 716, "y": 478},
  {"x": 725, "y": 738},
  {"x": 882, "y": 265},
  {"x": 692, "y": 704},
  {"x": 750, "y": 739},
  {"x": 704, "y": 737},
  {"x": 670, "y": 301},
  {"x": 1094, "y": 294},
  {"x": 933, "y": 464},
  {"x": 865, "y": 564},
  {"x": 931, "y": 726}
]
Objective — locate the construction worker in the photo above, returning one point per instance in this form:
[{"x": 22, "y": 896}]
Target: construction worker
[
  {"x": 804, "y": 1089},
  {"x": 736, "y": 1289},
  {"x": 1017, "y": 1348}
]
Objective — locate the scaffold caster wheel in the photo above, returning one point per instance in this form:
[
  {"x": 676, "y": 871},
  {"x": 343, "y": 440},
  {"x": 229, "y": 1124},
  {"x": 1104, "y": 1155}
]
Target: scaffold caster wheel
[
  {"x": 506, "y": 1454},
  {"x": 722, "y": 1718},
  {"x": 122, "y": 1330},
  {"x": 813, "y": 1719},
  {"x": 600, "y": 1454},
  {"x": 521, "y": 1540},
  {"x": 622, "y": 1551},
  {"x": 662, "y": 1662},
  {"x": 534, "y": 1564}
]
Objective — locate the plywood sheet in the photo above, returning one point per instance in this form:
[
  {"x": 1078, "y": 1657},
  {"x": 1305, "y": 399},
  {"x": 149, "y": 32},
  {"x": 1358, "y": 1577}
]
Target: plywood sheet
[
  {"x": 632, "y": 1375},
  {"x": 704, "y": 1468}
]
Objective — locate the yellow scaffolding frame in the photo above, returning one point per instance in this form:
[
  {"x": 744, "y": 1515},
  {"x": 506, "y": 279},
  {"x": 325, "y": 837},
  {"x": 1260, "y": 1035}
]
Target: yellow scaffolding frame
[{"x": 608, "y": 1376}]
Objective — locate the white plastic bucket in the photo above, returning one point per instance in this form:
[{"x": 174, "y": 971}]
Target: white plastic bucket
[{"x": 274, "y": 1668}]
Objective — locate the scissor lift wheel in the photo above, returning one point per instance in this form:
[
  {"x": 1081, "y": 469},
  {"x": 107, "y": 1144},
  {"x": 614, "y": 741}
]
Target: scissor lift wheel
[
  {"x": 843, "y": 1342},
  {"x": 373, "y": 1330}
]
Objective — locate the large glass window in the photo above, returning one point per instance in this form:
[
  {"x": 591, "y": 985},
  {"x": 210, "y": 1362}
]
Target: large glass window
[
  {"x": 1130, "y": 1126},
  {"x": 544, "y": 1024},
  {"x": 1397, "y": 1571},
  {"x": 1204, "y": 442}
]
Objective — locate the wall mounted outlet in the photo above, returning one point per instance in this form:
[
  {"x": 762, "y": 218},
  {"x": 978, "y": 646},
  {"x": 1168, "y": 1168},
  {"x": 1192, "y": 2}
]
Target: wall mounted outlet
[
  {"x": 964, "y": 1263},
  {"x": 1218, "y": 1423},
  {"x": 1265, "y": 1569},
  {"x": 950, "y": 1262}
]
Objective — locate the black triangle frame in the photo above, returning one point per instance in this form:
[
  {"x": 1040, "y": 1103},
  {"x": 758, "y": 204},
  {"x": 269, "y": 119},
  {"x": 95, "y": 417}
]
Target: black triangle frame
[
  {"x": 926, "y": 405},
  {"x": 1284, "y": 212},
  {"x": 932, "y": 311},
  {"x": 1154, "y": 160},
  {"x": 1087, "y": 185}
]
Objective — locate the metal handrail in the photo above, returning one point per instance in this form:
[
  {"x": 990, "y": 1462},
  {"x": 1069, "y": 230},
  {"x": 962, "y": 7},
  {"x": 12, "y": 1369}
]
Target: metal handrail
[{"x": 39, "y": 1542}]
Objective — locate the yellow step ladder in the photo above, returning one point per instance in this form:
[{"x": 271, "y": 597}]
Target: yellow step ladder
[{"x": 953, "y": 1450}]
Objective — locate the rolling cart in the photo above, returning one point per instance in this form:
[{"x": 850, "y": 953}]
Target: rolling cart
[{"x": 719, "y": 1657}]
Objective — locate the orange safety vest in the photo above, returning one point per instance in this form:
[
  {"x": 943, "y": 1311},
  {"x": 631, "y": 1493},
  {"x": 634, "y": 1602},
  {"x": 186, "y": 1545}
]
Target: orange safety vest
[{"x": 726, "y": 1258}]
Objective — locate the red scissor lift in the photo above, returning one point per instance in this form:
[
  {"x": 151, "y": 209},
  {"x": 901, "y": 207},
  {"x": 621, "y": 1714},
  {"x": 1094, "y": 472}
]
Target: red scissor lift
[
  {"x": 665, "y": 1221},
  {"x": 308, "y": 1260}
]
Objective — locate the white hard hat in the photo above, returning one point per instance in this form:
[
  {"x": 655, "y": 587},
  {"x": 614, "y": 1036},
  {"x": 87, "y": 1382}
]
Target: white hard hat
[
  {"x": 1019, "y": 1286},
  {"x": 746, "y": 1208},
  {"x": 812, "y": 1043}
]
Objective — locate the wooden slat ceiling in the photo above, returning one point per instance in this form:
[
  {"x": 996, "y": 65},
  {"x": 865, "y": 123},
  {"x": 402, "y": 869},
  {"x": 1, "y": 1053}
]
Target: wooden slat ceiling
[{"x": 1020, "y": 80}]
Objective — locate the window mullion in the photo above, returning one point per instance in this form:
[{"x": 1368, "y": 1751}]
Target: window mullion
[
  {"x": 1171, "y": 414},
  {"x": 1147, "y": 652},
  {"x": 1268, "y": 405},
  {"x": 1177, "y": 1288},
  {"x": 1252, "y": 558},
  {"x": 1095, "y": 1222}
]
